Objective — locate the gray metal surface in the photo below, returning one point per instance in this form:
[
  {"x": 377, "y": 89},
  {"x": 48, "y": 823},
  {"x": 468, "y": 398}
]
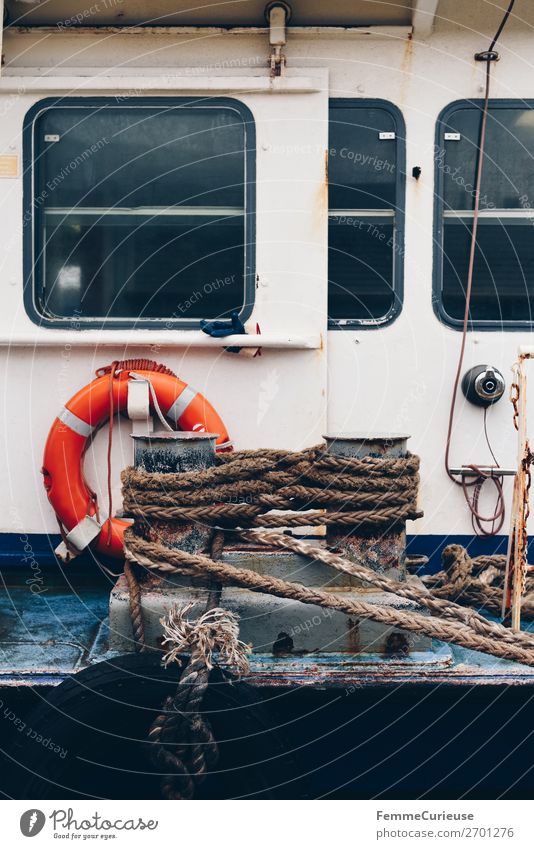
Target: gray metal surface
[
  {"x": 271, "y": 625},
  {"x": 166, "y": 452},
  {"x": 366, "y": 444},
  {"x": 170, "y": 453}
]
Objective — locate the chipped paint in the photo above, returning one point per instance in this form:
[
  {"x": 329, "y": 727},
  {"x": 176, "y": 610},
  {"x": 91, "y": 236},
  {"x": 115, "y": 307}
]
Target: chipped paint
[{"x": 405, "y": 70}]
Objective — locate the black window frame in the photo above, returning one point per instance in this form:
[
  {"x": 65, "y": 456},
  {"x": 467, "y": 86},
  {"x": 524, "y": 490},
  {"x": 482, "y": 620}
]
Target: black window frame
[
  {"x": 400, "y": 212},
  {"x": 30, "y": 266},
  {"x": 438, "y": 229}
]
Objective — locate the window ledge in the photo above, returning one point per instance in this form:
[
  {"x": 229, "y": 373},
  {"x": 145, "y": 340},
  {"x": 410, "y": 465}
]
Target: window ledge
[
  {"x": 50, "y": 338},
  {"x": 92, "y": 79}
]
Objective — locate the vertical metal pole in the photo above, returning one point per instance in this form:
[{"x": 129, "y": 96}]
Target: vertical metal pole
[
  {"x": 381, "y": 550},
  {"x": 516, "y": 559},
  {"x": 169, "y": 453}
]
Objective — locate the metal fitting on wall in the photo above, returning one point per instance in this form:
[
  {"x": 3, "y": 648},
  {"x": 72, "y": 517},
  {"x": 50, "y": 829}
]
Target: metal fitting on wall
[
  {"x": 483, "y": 385},
  {"x": 277, "y": 15}
]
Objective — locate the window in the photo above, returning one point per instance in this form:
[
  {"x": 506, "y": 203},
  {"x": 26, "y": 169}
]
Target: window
[
  {"x": 503, "y": 278},
  {"x": 366, "y": 212},
  {"x": 138, "y": 212}
]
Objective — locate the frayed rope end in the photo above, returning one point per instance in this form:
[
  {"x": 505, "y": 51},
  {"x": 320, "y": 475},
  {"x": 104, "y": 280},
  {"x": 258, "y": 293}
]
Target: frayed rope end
[{"x": 217, "y": 630}]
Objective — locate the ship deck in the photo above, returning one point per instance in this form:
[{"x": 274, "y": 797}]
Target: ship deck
[{"x": 50, "y": 635}]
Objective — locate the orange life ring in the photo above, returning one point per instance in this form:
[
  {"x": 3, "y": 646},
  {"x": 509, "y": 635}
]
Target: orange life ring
[{"x": 68, "y": 492}]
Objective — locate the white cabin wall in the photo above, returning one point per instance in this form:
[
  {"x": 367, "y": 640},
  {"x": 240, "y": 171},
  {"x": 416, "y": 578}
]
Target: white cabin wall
[
  {"x": 275, "y": 400},
  {"x": 396, "y": 378},
  {"x": 399, "y": 378},
  {"x": 261, "y": 404}
]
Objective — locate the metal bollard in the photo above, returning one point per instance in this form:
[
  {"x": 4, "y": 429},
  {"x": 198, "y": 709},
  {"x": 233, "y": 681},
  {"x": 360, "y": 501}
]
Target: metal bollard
[
  {"x": 169, "y": 453},
  {"x": 383, "y": 550}
]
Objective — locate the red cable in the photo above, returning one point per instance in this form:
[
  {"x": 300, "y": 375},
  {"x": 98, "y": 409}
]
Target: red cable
[
  {"x": 134, "y": 365},
  {"x": 113, "y": 369}
]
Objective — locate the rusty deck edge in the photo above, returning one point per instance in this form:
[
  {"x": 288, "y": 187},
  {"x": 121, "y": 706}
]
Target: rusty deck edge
[
  {"x": 335, "y": 671},
  {"x": 332, "y": 680}
]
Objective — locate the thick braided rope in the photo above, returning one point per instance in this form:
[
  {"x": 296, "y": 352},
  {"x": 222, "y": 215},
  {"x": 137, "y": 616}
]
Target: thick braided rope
[
  {"x": 237, "y": 515},
  {"x": 183, "y": 742},
  {"x": 312, "y": 487},
  {"x": 441, "y": 606},
  {"x": 475, "y": 581},
  {"x": 183, "y": 745},
  {"x": 372, "y": 491},
  {"x": 157, "y": 557},
  {"x": 136, "y": 613}
]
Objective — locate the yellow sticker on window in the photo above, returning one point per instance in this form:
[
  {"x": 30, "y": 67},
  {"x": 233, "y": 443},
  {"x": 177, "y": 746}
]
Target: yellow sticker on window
[{"x": 9, "y": 165}]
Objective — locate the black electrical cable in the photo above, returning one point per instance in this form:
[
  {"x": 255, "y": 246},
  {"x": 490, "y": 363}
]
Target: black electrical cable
[{"x": 501, "y": 26}]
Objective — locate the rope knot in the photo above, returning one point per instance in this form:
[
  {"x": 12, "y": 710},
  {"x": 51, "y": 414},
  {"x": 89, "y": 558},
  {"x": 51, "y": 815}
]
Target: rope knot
[
  {"x": 457, "y": 566},
  {"x": 217, "y": 630}
]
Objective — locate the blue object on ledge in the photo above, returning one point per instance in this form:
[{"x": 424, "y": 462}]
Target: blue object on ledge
[{"x": 219, "y": 329}]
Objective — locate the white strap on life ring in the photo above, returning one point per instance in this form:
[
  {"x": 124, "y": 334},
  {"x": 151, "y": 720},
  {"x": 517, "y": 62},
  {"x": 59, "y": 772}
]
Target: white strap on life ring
[
  {"x": 138, "y": 406},
  {"x": 150, "y": 393},
  {"x": 79, "y": 537}
]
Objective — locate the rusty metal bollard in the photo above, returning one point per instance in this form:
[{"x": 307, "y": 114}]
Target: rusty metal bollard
[
  {"x": 169, "y": 453},
  {"x": 382, "y": 550}
]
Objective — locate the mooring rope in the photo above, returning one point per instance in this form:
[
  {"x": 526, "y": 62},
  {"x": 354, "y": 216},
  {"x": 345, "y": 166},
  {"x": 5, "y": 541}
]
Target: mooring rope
[
  {"x": 311, "y": 487},
  {"x": 476, "y": 581},
  {"x": 183, "y": 744},
  {"x": 242, "y": 489},
  {"x": 423, "y": 597},
  {"x": 136, "y": 612},
  {"x": 182, "y": 741},
  {"x": 158, "y": 557}
]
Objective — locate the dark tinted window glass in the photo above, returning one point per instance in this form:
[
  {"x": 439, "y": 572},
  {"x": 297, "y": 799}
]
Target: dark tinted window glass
[
  {"x": 141, "y": 211},
  {"x": 361, "y": 266},
  {"x": 508, "y": 169},
  {"x": 364, "y": 238},
  {"x": 503, "y": 278}
]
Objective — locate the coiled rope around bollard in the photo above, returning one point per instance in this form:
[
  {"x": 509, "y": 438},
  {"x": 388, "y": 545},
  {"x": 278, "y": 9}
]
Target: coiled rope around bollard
[{"x": 311, "y": 487}]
